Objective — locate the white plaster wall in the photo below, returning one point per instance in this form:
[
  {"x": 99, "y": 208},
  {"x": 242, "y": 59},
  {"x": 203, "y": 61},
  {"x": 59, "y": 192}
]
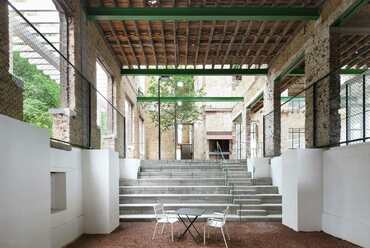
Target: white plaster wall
[
  {"x": 129, "y": 168},
  {"x": 276, "y": 172},
  {"x": 302, "y": 189},
  {"x": 260, "y": 167},
  {"x": 346, "y": 193},
  {"x": 67, "y": 225},
  {"x": 289, "y": 189},
  {"x": 100, "y": 170},
  {"x": 310, "y": 189},
  {"x": 24, "y": 185}
]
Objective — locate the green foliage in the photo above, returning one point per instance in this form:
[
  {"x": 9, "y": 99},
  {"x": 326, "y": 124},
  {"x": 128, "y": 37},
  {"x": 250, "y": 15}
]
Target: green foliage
[
  {"x": 40, "y": 93},
  {"x": 187, "y": 112}
]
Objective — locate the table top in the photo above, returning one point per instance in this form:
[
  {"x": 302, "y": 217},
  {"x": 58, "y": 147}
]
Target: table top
[{"x": 191, "y": 211}]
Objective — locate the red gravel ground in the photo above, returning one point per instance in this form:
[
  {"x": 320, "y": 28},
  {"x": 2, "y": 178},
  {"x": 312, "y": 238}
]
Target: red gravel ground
[{"x": 243, "y": 235}]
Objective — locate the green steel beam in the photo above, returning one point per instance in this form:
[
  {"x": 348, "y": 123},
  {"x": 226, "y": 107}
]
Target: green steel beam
[
  {"x": 349, "y": 12},
  {"x": 352, "y": 71},
  {"x": 195, "y": 72},
  {"x": 190, "y": 99},
  {"x": 300, "y": 72},
  {"x": 290, "y": 67},
  {"x": 294, "y": 13}
]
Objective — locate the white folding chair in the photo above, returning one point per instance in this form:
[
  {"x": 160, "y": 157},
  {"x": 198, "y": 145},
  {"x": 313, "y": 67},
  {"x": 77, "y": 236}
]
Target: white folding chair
[
  {"x": 163, "y": 218},
  {"x": 219, "y": 221}
]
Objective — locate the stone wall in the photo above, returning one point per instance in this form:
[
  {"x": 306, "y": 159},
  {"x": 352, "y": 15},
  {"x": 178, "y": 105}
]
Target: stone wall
[
  {"x": 319, "y": 46},
  {"x": 11, "y": 98}
]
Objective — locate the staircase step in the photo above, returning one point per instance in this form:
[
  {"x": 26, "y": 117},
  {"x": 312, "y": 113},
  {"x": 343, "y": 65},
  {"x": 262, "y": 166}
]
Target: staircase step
[
  {"x": 175, "y": 181},
  {"x": 201, "y": 189},
  {"x": 212, "y": 185},
  {"x": 251, "y": 212},
  {"x": 147, "y": 208},
  {"x": 175, "y": 198},
  {"x": 151, "y": 217}
]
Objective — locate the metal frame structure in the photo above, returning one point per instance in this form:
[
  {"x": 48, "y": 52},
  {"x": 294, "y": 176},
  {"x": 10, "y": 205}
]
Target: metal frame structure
[
  {"x": 174, "y": 99},
  {"x": 195, "y": 72},
  {"x": 250, "y": 13}
]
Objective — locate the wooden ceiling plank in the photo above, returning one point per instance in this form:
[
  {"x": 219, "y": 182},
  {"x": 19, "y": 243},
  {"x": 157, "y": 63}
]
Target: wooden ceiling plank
[
  {"x": 231, "y": 43},
  {"x": 123, "y": 54},
  {"x": 152, "y": 43},
  {"x": 198, "y": 44}
]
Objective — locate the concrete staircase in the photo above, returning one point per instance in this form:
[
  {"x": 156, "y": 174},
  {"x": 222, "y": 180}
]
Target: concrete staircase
[{"x": 204, "y": 184}]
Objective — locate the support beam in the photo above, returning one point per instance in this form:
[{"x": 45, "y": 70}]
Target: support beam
[
  {"x": 299, "y": 72},
  {"x": 174, "y": 99},
  {"x": 206, "y": 14},
  {"x": 195, "y": 72}
]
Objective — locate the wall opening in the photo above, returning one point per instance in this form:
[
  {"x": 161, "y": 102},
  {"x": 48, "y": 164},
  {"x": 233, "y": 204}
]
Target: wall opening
[{"x": 58, "y": 191}]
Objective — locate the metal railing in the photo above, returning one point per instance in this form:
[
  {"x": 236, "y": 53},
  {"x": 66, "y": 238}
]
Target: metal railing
[
  {"x": 50, "y": 84},
  {"x": 351, "y": 119}
]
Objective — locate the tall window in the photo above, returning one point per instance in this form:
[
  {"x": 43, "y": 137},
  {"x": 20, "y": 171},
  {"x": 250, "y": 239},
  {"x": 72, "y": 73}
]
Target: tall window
[
  {"x": 104, "y": 111},
  {"x": 141, "y": 138},
  {"x": 256, "y": 150},
  {"x": 238, "y": 136},
  {"x": 129, "y": 128},
  {"x": 296, "y": 138}
]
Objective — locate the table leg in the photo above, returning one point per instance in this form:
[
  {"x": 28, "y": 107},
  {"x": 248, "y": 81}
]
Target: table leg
[
  {"x": 188, "y": 227},
  {"x": 194, "y": 225}
]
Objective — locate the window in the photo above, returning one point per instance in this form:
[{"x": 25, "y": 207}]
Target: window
[
  {"x": 238, "y": 137},
  {"x": 129, "y": 128},
  {"x": 104, "y": 111},
  {"x": 141, "y": 138},
  {"x": 256, "y": 148},
  {"x": 296, "y": 138}
]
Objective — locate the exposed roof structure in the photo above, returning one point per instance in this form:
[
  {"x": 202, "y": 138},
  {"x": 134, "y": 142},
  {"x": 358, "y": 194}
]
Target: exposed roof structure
[{"x": 223, "y": 41}]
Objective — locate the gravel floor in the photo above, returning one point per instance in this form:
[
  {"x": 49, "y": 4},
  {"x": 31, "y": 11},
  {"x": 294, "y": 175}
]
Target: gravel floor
[{"x": 243, "y": 235}]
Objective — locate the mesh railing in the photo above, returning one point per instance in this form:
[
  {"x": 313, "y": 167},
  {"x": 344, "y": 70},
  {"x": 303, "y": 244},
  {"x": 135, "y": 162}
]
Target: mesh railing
[
  {"x": 75, "y": 105},
  {"x": 349, "y": 123}
]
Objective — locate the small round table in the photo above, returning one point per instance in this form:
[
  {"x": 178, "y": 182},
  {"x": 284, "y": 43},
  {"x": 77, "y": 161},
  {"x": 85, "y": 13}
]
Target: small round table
[{"x": 191, "y": 215}]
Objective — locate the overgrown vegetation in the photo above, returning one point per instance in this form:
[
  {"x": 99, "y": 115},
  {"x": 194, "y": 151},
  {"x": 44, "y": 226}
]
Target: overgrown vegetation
[
  {"x": 182, "y": 112},
  {"x": 40, "y": 93}
]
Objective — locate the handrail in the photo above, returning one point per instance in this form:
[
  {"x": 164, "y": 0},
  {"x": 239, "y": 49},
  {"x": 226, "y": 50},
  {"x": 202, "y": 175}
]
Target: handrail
[{"x": 220, "y": 150}]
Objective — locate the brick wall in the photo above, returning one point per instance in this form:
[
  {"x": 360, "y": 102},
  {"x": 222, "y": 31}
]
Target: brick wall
[
  {"x": 11, "y": 98},
  {"x": 86, "y": 46}
]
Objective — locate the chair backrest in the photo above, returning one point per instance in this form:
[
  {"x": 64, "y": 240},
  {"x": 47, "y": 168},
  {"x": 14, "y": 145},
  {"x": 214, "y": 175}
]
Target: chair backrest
[
  {"x": 158, "y": 211},
  {"x": 226, "y": 212}
]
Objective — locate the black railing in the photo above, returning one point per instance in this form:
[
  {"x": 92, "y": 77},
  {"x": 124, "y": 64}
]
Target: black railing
[
  {"x": 50, "y": 79},
  {"x": 351, "y": 117}
]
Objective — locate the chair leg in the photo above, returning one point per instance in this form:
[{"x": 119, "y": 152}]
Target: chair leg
[
  {"x": 163, "y": 228},
  {"x": 223, "y": 235},
  {"x": 204, "y": 234},
  {"x": 172, "y": 233},
  {"x": 155, "y": 230},
  {"x": 227, "y": 232}
]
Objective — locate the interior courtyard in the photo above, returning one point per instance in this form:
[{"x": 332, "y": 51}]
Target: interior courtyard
[{"x": 184, "y": 123}]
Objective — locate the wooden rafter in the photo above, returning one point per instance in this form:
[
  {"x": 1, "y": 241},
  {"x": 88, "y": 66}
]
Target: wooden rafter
[{"x": 183, "y": 43}]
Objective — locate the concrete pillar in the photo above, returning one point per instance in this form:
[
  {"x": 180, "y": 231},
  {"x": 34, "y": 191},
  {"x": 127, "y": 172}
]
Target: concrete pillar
[
  {"x": 271, "y": 105},
  {"x": 11, "y": 98},
  {"x": 323, "y": 99}
]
